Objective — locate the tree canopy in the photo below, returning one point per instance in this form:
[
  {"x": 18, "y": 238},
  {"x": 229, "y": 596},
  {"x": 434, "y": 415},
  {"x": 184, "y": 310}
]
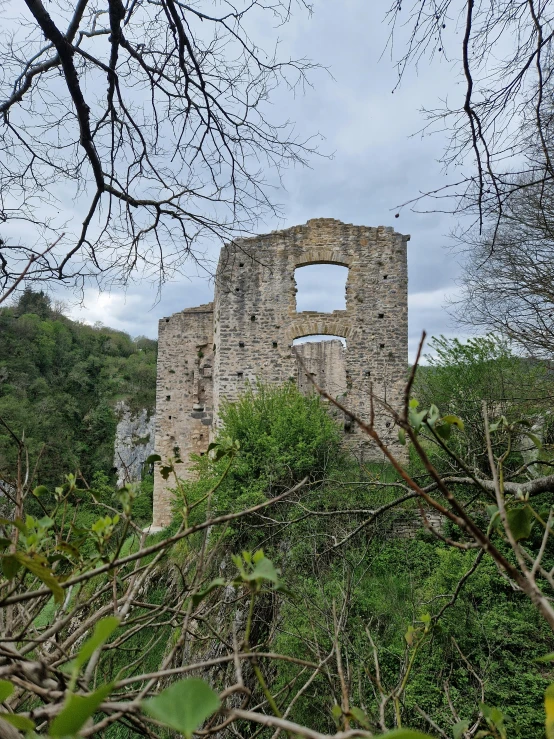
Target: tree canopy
[
  {"x": 152, "y": 117},
  {"x": 59, "y": 383}
]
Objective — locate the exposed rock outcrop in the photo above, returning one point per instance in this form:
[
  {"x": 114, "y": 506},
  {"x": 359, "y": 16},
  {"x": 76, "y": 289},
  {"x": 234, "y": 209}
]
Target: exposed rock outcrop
[{"x": 134, "y": 442}]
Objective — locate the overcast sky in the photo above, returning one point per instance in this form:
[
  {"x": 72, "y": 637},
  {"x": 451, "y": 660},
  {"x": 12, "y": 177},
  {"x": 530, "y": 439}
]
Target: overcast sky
[{"x": 378, "y": 162}]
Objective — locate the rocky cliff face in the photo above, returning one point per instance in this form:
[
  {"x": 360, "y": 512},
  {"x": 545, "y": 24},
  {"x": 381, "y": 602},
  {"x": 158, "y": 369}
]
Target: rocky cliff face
[{"x": 134, "y": 442}]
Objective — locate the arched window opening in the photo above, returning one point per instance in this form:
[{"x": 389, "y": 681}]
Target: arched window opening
[
  {"x": 321, "y": 359},
  {"x": 321, "y": 288},
  {"x": 317, "y": 338}
]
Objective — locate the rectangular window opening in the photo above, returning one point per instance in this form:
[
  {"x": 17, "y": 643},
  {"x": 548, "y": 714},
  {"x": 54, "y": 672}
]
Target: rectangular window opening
[{"x": 321, "y": 287}]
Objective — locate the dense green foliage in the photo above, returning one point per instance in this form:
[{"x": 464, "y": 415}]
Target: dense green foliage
[
  {"x": 59, "y": 383},
  {"x": 391, "y": 583},
  {"x": 283, "y": 437},
  {"x": 460, "y": 377},
  {"x": 483, "y": 646},
  {"x": 375, "y": 591}
]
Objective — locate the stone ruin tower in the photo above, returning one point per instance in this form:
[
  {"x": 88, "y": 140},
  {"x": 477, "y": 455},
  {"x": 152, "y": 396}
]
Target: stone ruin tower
[{"x": 209, "y": 353}]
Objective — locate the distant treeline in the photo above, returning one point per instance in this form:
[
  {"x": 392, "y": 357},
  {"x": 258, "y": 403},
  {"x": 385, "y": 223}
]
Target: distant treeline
[{"x": 59, "y": 383}]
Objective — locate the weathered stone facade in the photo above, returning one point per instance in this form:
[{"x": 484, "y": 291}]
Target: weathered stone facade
[{"x": 209, "y": 353}]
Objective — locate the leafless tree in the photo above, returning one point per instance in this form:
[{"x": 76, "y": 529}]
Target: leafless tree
[
  {"x": 508, "y": 279},
  {"x": 149, "y": 120},
  {"x": 498, "y": 123}
]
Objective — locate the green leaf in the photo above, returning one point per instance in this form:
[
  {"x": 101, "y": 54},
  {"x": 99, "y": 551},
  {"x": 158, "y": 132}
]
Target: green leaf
[
  {"x": 336, "y": 713},
  {"x": 494, "y": 718},
  {"x": 402, "y": 437},
  {"x": 425, "y": 618},
  {"x": 494, "y": 515},
  {"x": 409, "y": 635},
  {"x": 6, "y": 689},
  {"x": 10, "y": 566},
  {"x": 102, "y": 632},
  {"x": 40, "y": 490},
  {"x": 433, "y": 415},
  {"x": 444, "y": 430},
  {"x": 520, "y": 521},
  {"x": 199, "y": 597},
  {"x": 20, "y": 525},
  {"x": 20, "y": 722},
  {"x": 77, "y": 710},
  {"x": 459, "y": 729},
  {"x": 43, "y": 573},
  {"x": 359, "y": 716},
  {"x": 549, "y": 711},
  {"x": 63, "y": 546},
  {"x": 546, "y": 658},
  {"x": 405, "y": 734},
  {"x": 184, "y": 706},
  {"x": 534, "y": 438},
  {"x": 454, "y": 421},
  {"x": 416, "y": 419},
  {"x": 264, "y": 570}
]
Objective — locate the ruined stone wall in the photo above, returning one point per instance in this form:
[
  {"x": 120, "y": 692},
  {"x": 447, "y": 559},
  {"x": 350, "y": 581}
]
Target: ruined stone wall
[
  {"x": 325, "y": 361},
  {"x": 256, "y": 322},
  {"x": 184, "y": 396},
  {"x": 249, "y": 333}
]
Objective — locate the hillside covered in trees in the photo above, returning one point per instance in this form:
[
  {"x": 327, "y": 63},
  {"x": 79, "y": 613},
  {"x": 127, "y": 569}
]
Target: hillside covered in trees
[
  {"x": 59, "y": 384},
  {"x": 285, "y": 582}
]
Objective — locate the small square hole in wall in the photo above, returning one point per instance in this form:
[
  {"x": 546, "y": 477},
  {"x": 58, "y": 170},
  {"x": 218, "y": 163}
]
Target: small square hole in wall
[
  {"x": 252, "y": 318},
  {"x": 241, "y": 344},
  {"x": 168, "y": 397},
  {"x": 169, "y": 418},
  {"x": 237, "y": 289},
  {"x": 381, "y": 346},
  {"x": 241, "y": 264},
  {"x": 385, "y": 277},
  {"x": 240, "y": 374},
  {"x": 367, "y": 373},
  {"x": 275, "y": 345},
  {"x": 381, "y": 315}
]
